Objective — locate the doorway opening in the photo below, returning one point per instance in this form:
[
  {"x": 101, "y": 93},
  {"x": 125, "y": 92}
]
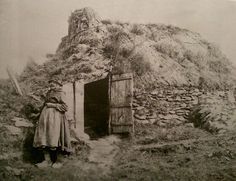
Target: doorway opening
[
  {"x": 101, "y": 107},
  {"x": 96, "y": 108}
]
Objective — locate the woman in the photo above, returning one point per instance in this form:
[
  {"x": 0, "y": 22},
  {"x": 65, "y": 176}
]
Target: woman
[{"x": 52, "y": 132}]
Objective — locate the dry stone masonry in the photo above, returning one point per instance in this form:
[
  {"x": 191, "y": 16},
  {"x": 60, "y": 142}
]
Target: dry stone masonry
[
  {"x": 172, "y": 105},
  {"x": 167, "y": 105}
]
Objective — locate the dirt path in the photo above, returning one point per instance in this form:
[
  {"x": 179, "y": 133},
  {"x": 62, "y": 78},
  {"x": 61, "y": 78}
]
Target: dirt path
[{"x": 102, "y": 153}]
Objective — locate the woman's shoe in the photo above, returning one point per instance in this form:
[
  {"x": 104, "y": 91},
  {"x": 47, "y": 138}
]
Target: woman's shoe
[
  {"x": 43, "y": 164},
  {"x": 56, "y": 165}
]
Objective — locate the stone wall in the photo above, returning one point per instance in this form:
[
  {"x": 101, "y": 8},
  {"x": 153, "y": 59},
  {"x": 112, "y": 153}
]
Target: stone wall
[{"x": 171, "y": 105}]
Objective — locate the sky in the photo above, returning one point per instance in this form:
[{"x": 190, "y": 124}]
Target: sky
[{"x": 33, "y": 28}]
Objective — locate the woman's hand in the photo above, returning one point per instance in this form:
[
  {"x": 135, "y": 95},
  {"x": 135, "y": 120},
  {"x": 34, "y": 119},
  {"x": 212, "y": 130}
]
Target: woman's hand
[
  {"x": 51, "y": 105},
  {"x": 61, "y": 107}
]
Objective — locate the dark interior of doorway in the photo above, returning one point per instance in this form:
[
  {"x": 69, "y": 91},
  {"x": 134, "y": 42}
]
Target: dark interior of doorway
[{"x": 96, "y": 108}]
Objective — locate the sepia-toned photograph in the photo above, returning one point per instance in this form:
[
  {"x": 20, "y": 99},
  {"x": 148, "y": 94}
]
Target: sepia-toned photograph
[{"x": 118, "y": 90}]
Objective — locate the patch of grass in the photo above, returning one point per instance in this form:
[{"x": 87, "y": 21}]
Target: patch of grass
[
  {"x": 117, "y": 38},
  {"x": 137, "y": 30},
  {"x": 139, "y": 65},
  {"x": 90, "y": 40},
  {"x": 185, "y": 161},
  {"x": 169, "y": 49},
  {"x": 213, "y": 115},
  {"x": 218, "y": 67},
  {"x": 106, "y": 22},
  {"x": 119, "y": 23},
  {"x": 113, "y": 29},
  {"x": 85, "y": 68},
  {"x": 168, "y": 30}
]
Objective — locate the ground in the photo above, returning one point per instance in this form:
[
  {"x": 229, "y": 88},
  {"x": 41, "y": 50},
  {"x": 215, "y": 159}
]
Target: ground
[
  {"x": 180, "y": 153},
  {"x": 153, "y": 153}
]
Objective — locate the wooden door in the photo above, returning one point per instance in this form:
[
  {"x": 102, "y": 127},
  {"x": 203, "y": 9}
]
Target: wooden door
[{"x": 121, "y": 97}]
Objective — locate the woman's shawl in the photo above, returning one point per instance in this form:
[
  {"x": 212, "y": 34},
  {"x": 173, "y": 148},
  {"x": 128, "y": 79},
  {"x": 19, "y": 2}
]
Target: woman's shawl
[{"x": 55, "y": 96}]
